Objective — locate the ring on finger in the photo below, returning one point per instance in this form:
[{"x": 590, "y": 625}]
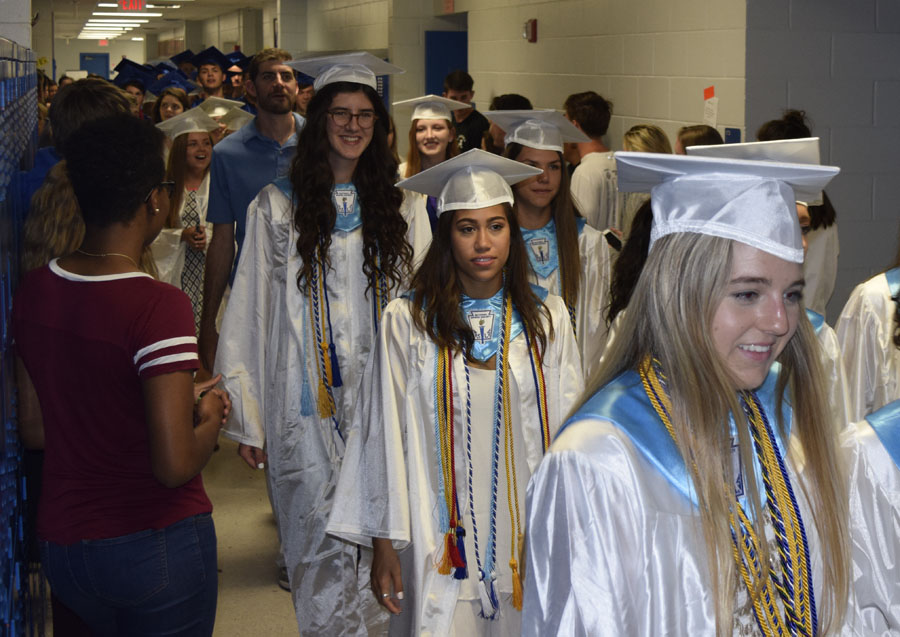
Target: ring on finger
[{"x": 385, "y": 595}]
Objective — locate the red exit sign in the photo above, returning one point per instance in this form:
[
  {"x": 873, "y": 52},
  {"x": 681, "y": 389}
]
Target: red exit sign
[{"x": 132, "y": 5}]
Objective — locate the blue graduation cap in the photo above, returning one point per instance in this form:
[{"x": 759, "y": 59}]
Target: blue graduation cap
[
  {"x": 304, "y": 80},
  {"x": 238, "y": 59},
  {"x": 165, "y": 66},
  {"x": 211, "y": 55},
  {"x": 185, "y": 56},
  {"x": 176, "y": 79},
  {"x": 133, "y": 73}
]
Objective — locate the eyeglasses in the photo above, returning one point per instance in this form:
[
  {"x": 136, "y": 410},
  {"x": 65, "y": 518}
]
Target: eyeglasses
[
  {"x": 343, "y": 117},
  {"x": 168, "y": 185}
]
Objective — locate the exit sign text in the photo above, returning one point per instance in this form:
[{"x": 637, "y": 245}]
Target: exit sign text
[{"x": 132, "y": 5}]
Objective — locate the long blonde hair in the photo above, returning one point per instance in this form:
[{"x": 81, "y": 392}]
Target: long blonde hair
[{"x": 685, "y": 273}]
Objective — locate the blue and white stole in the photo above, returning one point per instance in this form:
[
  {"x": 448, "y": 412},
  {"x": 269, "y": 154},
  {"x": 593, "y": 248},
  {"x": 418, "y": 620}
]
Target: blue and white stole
[{"x": 624, "y": 403}]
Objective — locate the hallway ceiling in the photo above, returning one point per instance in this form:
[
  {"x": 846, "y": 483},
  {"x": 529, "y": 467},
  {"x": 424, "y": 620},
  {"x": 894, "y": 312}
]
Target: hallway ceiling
[{"x": 70, "y": 17}]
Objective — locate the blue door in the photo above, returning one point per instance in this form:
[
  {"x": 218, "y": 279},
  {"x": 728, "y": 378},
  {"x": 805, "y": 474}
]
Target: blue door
[
  {"x": 445, "y": 51},
  {"x": 97, "y": 63}
]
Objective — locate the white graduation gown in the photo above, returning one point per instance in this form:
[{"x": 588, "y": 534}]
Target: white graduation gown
[
  {"x": 835, "y": 375},
  {"x": 268, "y": 361},
  {"x": 388, "y": 485},
  {"x": 871, "y": 360},
  {"x": 615, "y": 549},
  {"x": 820, "y": 267},
  {"x": 593, "y": 295}
]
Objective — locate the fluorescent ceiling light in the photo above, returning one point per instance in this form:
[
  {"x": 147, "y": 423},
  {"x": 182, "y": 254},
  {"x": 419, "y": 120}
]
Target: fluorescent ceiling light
[
  {"x": 111, "y": 5},
  {"x": 128, "y": 15},
  {"x": 137, "y": 39},
  {"x": 115, "y": 21}
]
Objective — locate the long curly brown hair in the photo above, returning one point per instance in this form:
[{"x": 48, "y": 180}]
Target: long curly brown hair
[
  {"x": 385, "y": 248},
  {"x": 436, "y": 291}
]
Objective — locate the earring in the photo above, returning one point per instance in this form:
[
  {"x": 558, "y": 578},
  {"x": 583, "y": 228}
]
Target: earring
[{"x": 156, "y": 210}]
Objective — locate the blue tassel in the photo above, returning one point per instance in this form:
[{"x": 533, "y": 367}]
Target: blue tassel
[
  {"x": 306, "y": 400},
  {"x": 461, "y": 572},
  {"x": 335, "y": 368}
]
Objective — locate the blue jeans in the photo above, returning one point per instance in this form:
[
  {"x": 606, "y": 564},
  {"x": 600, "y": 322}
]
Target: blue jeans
[{"x": 153, "y": 582}]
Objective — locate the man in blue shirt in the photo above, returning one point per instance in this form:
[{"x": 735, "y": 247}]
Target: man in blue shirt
[{"x": 243, "y": 164}]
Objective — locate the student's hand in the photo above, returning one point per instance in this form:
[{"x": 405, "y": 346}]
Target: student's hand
[
  {"x": 253, "y": 456},
  {"x": 208, "y": 385},
  {"x": 386, "y": 574}
]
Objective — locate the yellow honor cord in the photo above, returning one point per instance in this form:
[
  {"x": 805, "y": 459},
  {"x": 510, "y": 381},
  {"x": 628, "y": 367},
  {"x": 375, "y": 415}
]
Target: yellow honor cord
[{"x": 762, "y": 584}]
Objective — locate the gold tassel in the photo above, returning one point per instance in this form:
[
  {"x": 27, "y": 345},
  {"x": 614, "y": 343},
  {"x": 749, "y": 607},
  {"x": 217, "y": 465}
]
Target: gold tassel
[
  {"x": 326, "y": 410},
  {"x": 517, "y": 585},
  {"x": 444, "y": 565}
]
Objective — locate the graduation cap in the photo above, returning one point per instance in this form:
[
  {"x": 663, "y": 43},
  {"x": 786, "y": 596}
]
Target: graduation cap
[
  {"x": 475, "y": 179},
  {"x": 238, "y": 59},
  {"x": 175, "y": 79},
  {"x": 432, "y": 107},
  {"x": 361, "y": 68},
  {"x": 185, "y": 56},
  {"x": 235, "y": 119},
  {"x": 304, "y": 80},
  {"x": 543, "y": 129},
  {"x": 132, "y": 72},
  {"x": 211, "y": 55},
  {"x": 795, "y": 151},
  {"x": 192, "y": 121},
  {"x": 218, "y": 106},
  {"x": 162, "y": 66},
  {"x": 739, "y": 199}
]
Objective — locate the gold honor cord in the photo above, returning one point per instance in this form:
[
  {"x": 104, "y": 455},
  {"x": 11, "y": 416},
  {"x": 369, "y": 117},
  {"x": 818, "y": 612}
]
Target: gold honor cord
[{"x": 795, "y": 584}]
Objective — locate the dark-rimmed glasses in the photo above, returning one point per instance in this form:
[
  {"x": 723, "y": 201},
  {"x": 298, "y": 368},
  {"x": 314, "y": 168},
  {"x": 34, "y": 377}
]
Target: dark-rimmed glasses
[{"x": 343, "y": 117}]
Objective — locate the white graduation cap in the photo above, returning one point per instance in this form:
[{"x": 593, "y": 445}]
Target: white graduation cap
[
  {"x": 739, "y": 199},
  {"x": 218, "y": 106},
  {"x": 475, "y": 179},
  {"x": 794, "y": 151},
  {"x": 235, "y": 119},
  {"x": 432, "y": 107},
  {"x": 192, "y": 121},
  {"x": 360, "y": 67},
  {"x": 542, "y": 129}
]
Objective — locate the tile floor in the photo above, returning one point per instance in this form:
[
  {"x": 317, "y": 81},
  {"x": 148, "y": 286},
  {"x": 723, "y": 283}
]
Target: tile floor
[{"x": 250, "y": 601}]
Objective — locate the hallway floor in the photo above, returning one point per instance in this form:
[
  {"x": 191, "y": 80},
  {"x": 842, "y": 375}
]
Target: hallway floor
[{"x": 250, "y": 601}]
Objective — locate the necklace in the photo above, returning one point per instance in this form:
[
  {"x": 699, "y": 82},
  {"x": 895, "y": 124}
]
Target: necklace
[
  {"x": 108, "y": 254},
  {"x": 794, "y": 585}
]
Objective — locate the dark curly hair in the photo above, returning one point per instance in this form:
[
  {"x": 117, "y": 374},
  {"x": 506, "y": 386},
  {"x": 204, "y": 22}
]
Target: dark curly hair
[
  {"x": 436, "y": 291},
  {"x": 385, "y": 248},
  {"x": 113, "y": 163}
]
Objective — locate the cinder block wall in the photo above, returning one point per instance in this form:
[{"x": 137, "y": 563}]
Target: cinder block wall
[
  {"x": 838, "y": 61},
  {"x": 651, "y": 58}
]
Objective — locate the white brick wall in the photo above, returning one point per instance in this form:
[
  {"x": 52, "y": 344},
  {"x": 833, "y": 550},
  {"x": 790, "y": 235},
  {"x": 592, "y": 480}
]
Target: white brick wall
[{"x": 837, "y": 61}]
